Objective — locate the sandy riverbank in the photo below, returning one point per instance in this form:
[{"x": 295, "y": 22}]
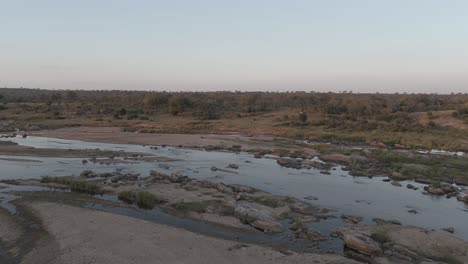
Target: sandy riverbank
[
  {"x": 79, "y": 235},
  {"x": 115, "y": 135}
]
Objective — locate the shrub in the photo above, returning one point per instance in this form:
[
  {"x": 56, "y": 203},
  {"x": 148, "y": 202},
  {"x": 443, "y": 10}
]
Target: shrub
[
  {"x": 74, "y": 184},
  {"x": 143, "y": 199},
  {"x": 272, "y": 201}
]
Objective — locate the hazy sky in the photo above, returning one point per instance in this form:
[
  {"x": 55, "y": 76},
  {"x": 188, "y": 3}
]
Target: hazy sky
[{"x": 321, "y": 45}]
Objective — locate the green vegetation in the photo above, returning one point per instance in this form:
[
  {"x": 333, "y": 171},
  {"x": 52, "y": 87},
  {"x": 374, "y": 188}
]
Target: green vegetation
[
  {"x": 412, "y": 120},
  {"x": 434, "y": 167},
  {"x": 380, "y": 236},
  {"x": 7, "y": 143},
  {"x": 74, "y": 184},
  {"x": 143, "y": 199},
  {"x": 461, "y": 114},
  {"x": 273, "y": 201}
]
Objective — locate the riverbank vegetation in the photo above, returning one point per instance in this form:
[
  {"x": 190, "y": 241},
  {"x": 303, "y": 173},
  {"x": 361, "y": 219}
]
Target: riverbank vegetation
[
  {"x": 74, "y": 184},
  {"x": 143, "y": 199},
  {"x": 406, "y": 120}
]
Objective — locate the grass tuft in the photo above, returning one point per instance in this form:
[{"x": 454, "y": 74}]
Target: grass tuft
[
  {"x": 143, "y": 199},
  {"x": 74, "y": 184}
]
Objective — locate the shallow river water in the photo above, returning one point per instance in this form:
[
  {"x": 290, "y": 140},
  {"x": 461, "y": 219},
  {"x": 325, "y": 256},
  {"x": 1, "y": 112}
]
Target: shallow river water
[{"x": 362, "y": 196}]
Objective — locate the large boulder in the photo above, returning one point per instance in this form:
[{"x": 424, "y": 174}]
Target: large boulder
[
  {"x": 221, "y": 187},
  {"x": 434, "y": 245},
  {"x": 362, "y": 243},
  {"x": 267, "y": 226},
  {"x": 257, "y": 217},
  {"x": 463, "y": 196},
  {"x": 310, "y": 234},
  {"x": 336, "y": 158},
  {"x": 290, "y": 163},
  {"x": 404, "y": 244}
]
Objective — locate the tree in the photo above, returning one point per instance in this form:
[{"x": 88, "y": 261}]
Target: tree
[{"x": 302, "y": 117}]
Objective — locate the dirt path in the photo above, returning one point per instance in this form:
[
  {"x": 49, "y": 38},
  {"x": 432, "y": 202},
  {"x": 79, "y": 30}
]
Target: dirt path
[{"x": 90, "y": 236}]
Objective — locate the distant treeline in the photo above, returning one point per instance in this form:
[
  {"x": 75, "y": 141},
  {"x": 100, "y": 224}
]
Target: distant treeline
[{"x": 214, "y": 105}]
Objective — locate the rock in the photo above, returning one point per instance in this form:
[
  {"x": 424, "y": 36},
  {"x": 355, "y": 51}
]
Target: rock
[
  {"x": 233, "y": 166},
  {"x": 413, "y": 211},
  {"x": 84, "y": 161},
  {"x": 380, "y": 221},
  {"x": 213, "y": 168},
  {"x": 395, "y": 183},
  {"x": 25, "y": 136},
  {"x": 406, "y": 244},
  {"x": 336, "y": 158},
  {"x": 422, "y": 180},
  {"x": 174, "y": 177},
  {"x": 377, "y": 144},
  {"x": 433, "y": 245},
  {"x": 410, "y": 186},
  {"x": 399, "y": 146},
  {"x": 241, "y": 196},
  {"x": 258, "y": 155},
  {"x": 361, "y": 243},
  {"x": 402, "y": 252},
  {"x": 257, "y": 217},
  {"x": 396, "y": 176},
  {"x": 241, "y": 188},
  {"x": 434, "y": 190},
  {"x": 221, "y": 187},
  {"x": 351, "y": 219},
  {"x": 289, "y": 163},
  {"x": 310, "y": 234},
  {"x": 387, "y": 180},
  {"x": 463, "y": 197},
  {"x": 267, "y": 226},
  {"x": 303, "y": 208},
  {"x": 325, "y": 172},
  {"x": 87, "y": 174},
  {"x": 164, "y": 166},
  {"x": 449, "y": 229},
  {"x": 310, "y": 197}
]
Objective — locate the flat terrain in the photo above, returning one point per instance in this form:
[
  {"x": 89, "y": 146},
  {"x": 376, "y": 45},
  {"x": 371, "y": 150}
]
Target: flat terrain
[{"x": 71, "y": 234}]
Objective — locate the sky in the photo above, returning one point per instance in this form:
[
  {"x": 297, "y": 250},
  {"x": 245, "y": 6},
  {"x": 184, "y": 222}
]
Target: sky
[{"x": 382, "y": 46}]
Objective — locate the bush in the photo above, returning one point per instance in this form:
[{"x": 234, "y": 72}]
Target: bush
[
  {"x": 272, "y": 201},
  {"x": 143, "y": 199},
  {"x": 74, "y": 184}
]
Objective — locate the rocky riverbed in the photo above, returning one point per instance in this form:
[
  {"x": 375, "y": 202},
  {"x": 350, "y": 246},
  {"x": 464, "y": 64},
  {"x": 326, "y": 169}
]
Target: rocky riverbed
[{"x": 299, "y": 205}]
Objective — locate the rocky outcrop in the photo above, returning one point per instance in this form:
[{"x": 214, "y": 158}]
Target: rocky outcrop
[
  {"x": 336, "y": 158},
  {"x": 389, "y": 243},
  {"x": 396, "y": 176},
  {"x": 257, "y": 217},
  {"x": 351, "y": 219},
  {"x": 443, "y": 189},
  {"x": 361, "y": 243},
  {"x": 233, "y": 166},
  {"x": 463, "y": 196},
  {"x": 289, "y": 163}
]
